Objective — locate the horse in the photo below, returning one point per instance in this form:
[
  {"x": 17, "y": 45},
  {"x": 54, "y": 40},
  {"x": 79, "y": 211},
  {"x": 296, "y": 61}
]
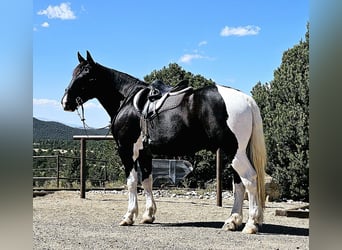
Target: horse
[{"x": 211, "y": 117}]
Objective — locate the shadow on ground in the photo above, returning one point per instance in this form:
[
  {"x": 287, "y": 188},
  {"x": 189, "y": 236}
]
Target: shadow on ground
[{"x": 265, "y": 229}]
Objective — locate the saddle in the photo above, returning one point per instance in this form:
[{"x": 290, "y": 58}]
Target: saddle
[{"x": 159, "y": 97}]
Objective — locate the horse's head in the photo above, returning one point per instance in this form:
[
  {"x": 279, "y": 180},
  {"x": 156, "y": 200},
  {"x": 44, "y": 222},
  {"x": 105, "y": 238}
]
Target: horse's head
[{"x": 82, "y": 85}]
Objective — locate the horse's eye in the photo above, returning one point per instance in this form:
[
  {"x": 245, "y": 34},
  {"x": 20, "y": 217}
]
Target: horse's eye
[{"x": 86, "y": 70}]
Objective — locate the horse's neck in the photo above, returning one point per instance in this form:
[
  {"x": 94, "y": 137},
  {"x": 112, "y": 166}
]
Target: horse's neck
[
  {"x": 110, "y": 102},
  {"x": 118, "y": 87}
]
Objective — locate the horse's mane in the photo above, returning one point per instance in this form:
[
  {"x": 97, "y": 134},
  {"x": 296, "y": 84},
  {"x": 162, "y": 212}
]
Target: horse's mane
[{"x": 121, "y": 76}]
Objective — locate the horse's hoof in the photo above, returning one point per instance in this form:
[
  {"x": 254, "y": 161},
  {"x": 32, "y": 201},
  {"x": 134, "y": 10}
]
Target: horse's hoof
[
  {"x": 229, "y": 226},
  {"x": 233, "y": 223},
  {"x": 250, "y": 229},
  {"x": 147, "y": 220},
  {"x": 126, "y": 222}
]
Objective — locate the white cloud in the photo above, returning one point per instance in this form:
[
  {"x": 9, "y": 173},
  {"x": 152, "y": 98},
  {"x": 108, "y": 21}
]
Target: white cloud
[
  {"x": 240, "y": 31},
  {"x": 45, "y": 102},
  {"x": 202, "y": 43},
  {"x": 187, "y": 58},
  {"x": 53, "y": 103},
  {"x": 92, "y": 105},
  {"x": 45, "y": 25},
  {"x": 63, "y": 11}
]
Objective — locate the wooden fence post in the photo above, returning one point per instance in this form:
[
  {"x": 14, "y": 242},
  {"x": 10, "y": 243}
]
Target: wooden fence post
[
  {"x": 218, "y": 178},
  {"x": 58, "y": 169}
]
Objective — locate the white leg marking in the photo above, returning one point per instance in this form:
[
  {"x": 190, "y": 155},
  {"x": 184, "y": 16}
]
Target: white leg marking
[
  {"x": 239, "y": 194},
  {"x": 255, "y": 215},
  {"x": 149, "y": 214},
  {"x": 248, "y": 177},
  {"x": 132, "y": 211},
  {"x": 136, "y": 147},
  {"x": 235, "y": 218}
]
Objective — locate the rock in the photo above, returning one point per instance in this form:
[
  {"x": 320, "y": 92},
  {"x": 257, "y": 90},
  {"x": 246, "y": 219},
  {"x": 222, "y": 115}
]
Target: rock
[{"x": 271, "y": 188}]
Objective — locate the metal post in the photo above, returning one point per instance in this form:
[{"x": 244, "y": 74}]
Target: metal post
[
  {"x": 218, "y": 178},
  {"x": 58, "y": 171},
  {"x": 83, "y": 168}
]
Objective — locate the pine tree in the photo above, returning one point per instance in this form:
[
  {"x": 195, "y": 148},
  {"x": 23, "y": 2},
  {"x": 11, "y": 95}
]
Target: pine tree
[
  {"x": 284, "y": 105},
  {"x": 174, "y": 73}
]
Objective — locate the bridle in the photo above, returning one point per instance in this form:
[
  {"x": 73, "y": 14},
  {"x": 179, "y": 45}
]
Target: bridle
[{"x": 132, "y": 90}]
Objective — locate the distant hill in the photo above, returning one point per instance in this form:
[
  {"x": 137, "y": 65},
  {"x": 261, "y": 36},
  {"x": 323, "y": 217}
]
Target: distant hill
[{"x": 58, "y": 131}]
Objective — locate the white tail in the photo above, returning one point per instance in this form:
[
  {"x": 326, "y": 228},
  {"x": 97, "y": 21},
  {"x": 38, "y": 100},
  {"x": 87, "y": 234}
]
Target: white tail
[{"x": 257, "y": 152}]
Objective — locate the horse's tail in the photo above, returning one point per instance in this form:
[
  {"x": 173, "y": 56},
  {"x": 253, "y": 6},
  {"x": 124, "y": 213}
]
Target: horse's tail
[{"x": 257, "y": 152}]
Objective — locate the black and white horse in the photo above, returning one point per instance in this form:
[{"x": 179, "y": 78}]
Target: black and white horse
[{"x": 211, "y": 117}]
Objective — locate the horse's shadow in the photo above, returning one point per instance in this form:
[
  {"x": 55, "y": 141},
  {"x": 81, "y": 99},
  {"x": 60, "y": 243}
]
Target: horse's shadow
[{"x": 265, "y": 229}]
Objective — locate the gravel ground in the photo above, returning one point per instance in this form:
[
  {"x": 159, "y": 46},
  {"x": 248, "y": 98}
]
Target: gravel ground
[{"x": 185, "y": 220}]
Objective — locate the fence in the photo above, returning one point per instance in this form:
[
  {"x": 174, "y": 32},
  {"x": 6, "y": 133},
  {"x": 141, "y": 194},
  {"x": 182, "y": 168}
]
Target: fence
[
  {"x": 59, "y": 168},
  {"x": 83, "y": 166},
  {"x": 84, "y": 138}
]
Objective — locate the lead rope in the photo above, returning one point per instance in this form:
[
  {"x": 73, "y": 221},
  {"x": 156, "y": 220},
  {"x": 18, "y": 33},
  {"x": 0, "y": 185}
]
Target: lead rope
[
  {"x": 82, "y": 117},
  {"x": 80, "y": 103}
]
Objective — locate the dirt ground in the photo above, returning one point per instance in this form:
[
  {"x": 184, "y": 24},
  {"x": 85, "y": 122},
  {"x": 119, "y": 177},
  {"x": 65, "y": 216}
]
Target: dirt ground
[{"x": 63, "y": 220}]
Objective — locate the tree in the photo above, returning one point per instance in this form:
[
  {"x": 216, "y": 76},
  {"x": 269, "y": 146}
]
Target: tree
[
  {"x": 284, "y": 105},
  {"x": 174, "y": 73}
]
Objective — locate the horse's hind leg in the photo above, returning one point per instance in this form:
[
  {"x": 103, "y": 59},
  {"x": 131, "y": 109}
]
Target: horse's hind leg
[
  {"x": 248, "y": 176},
  {"x": 145, "y": 163},
  {"x": 242, "y": 165},
  {"x": 236, "y": 216}
]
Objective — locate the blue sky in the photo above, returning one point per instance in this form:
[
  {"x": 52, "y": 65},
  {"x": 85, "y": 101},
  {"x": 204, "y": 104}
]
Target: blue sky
[{"x": 234, "y": 43}]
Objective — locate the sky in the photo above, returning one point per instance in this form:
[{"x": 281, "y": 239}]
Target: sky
[{"x": 234, "y": 43}]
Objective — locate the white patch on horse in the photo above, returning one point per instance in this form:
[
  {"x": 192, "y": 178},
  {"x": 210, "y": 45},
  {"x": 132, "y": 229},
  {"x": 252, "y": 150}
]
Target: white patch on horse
[
  {"x": 138, "y": 145},
  {"x": 64, "y": 100},
  {"x": 235, "y": 218},
  {"x": 243, "y": 119},
  {"x": 239, "y": 194}
]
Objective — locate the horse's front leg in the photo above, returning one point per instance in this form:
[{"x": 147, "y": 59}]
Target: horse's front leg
[
  {"x": 145, "y": 163},
  {"x": 132, "y": 181}
]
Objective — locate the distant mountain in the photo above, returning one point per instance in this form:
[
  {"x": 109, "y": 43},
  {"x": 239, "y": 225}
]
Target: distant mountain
[{"x": 56, "y": 130}]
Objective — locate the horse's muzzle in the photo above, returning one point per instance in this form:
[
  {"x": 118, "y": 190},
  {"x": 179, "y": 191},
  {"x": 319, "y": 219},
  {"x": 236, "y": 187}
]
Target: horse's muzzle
[{"x": 67, "y": 105}]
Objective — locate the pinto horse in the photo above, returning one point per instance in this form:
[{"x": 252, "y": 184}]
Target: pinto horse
[{"x": 209, "y": 118}]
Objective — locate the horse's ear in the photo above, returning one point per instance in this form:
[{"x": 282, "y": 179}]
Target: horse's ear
[
  {"x": 89, "y": 58},
  {"x": 80, "y": 58}
]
